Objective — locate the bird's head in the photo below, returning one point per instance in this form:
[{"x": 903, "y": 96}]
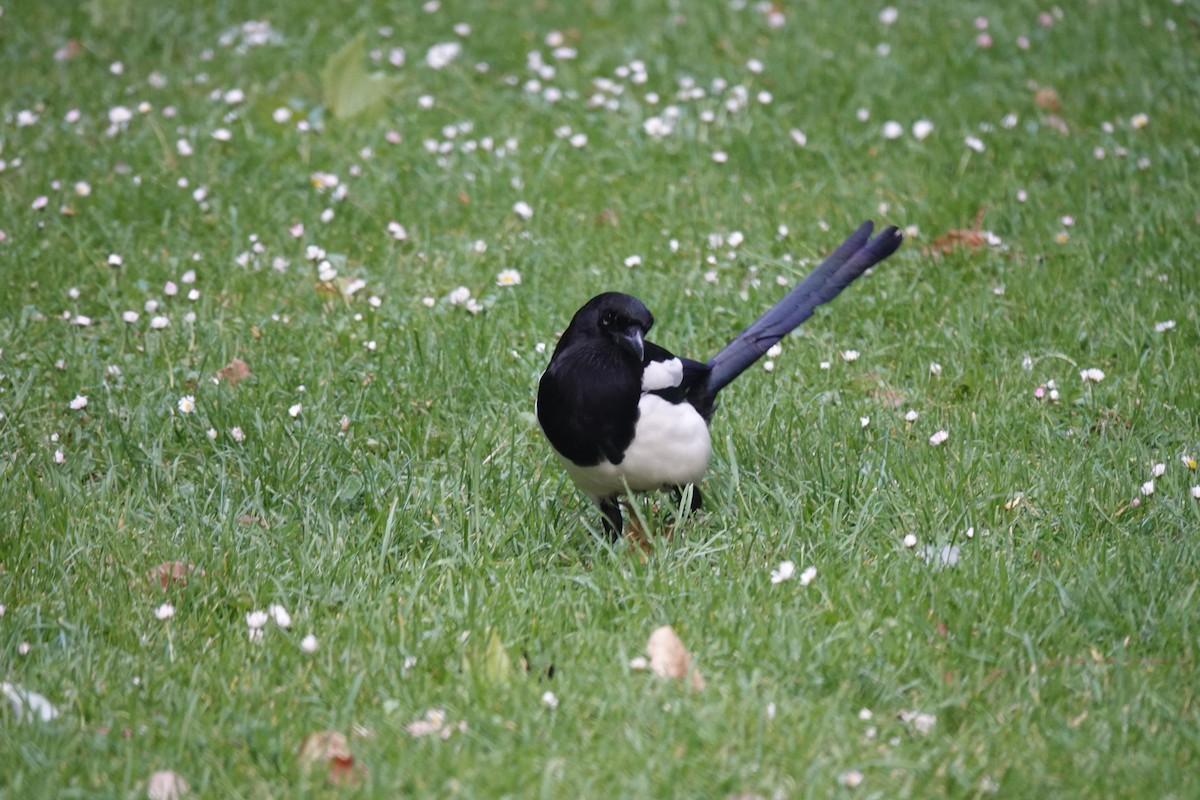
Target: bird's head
[{"x": 617, "y": 318}]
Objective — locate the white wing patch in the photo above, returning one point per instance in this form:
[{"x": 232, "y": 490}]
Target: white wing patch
[{"x": 662, "y": 375}]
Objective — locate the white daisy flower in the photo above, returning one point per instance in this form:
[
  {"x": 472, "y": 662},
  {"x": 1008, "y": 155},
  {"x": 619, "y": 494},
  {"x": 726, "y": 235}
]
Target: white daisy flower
[{"x": 785, "y": 572}]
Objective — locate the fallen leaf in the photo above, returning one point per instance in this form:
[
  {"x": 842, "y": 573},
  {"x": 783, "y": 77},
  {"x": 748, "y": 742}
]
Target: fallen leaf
[
  {"x": 26, "y": 704},
  {"x": 669, "y": 658},
  {"x": 233, "y": 372},
  {"x": 637, "y": 538},
  {"x": 497, "y": 665},
  {"x": 1047, "y": 100},
  {"x": 166, "y": 785},
  {"x": 346, "y": 87},
  {"x": 344, "y": 772},
  {"x": 250, "y": 519},
  {"x": 331, "y": 749},
  {"x": 968, "y": 238},
  {"x": 168, "y": 574},
  {"x": 494, "y": 666}
]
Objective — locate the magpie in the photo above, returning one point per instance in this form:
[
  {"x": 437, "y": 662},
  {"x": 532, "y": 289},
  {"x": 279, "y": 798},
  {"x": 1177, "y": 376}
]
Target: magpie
[{"x": 625, "y": 415}]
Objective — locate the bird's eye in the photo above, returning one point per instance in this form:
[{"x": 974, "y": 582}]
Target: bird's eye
[{"x": 611, "y": 319}]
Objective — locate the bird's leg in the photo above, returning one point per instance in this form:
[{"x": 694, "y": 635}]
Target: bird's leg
[{"x": 613, "y": 524}]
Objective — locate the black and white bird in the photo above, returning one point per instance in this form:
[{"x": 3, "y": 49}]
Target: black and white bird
[{"x": 625, "y": 415}]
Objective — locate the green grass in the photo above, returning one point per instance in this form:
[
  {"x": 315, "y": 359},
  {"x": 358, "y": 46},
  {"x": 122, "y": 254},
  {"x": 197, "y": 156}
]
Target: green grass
[{"x": 1059, "y": 654}]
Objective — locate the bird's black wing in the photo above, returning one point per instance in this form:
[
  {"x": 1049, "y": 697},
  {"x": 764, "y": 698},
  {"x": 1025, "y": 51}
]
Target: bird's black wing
[
  {"x": 587, "y": 410},
  {"x": 854, "y": 257}
]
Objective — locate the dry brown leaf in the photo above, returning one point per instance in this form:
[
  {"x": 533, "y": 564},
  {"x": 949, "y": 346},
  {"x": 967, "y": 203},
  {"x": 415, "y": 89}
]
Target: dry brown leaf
[
  {"x": 331, "y": 749},
  {"x": 669, "y": 658},
  {"x": 166, "y": 785},
  {"x": 1047, "y": 100},
  {"x": 638, "y": 540},
  {"x": 969, "y": 238},
  {"x": 250, "y": 519},
  {"x": 234, "y": 372},
  {"x": 168, "y": 574}
]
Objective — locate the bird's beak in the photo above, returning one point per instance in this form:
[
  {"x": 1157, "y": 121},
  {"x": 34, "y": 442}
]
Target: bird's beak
[{"x": 635, "y": 343}]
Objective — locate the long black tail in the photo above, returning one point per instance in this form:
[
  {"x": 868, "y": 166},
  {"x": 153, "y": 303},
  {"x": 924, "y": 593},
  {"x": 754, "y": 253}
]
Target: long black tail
[{"x": 856, "y": 255}]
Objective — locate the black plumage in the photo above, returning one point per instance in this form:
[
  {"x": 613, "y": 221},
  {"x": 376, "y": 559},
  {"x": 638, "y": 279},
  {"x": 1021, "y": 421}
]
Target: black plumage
[{"x": 624, "y": 414}]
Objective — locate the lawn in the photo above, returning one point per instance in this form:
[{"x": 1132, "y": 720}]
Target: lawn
[{"x": 277, "y": 281}]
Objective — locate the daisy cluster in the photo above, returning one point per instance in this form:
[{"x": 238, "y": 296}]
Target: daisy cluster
[
  {"x": 637, "y": 103},
  {"x": 649, "y": 108}
]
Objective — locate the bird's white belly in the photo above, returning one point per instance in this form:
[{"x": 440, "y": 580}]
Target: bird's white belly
[{"x": 671, "y": 447}]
